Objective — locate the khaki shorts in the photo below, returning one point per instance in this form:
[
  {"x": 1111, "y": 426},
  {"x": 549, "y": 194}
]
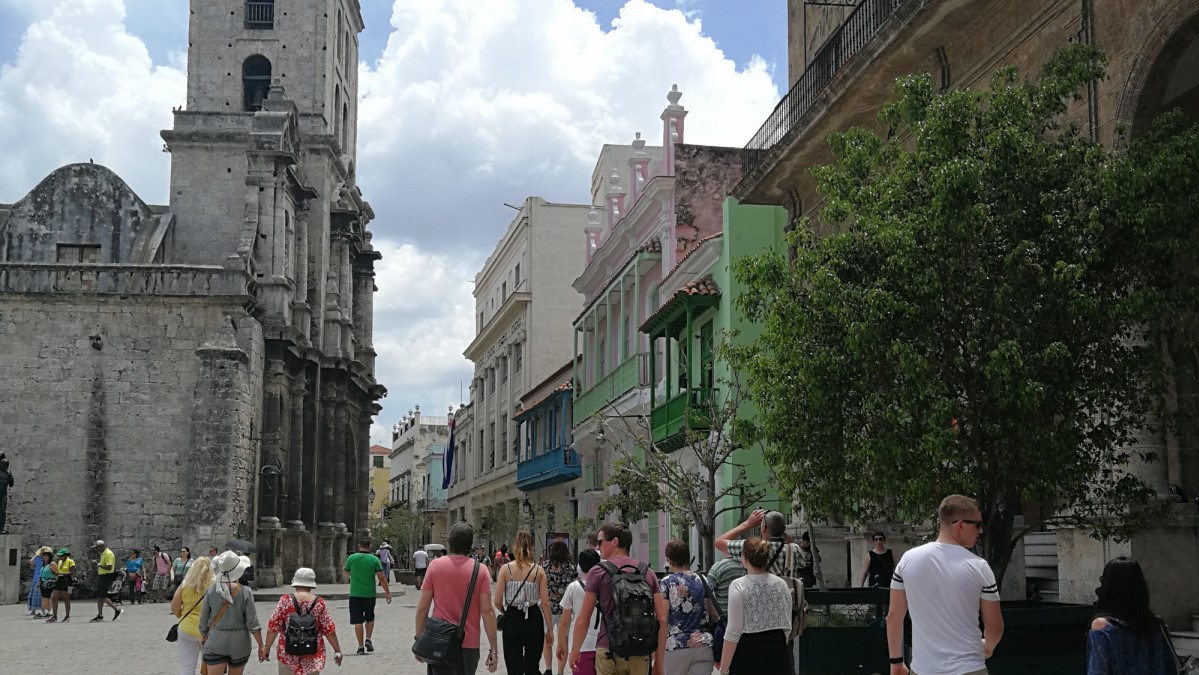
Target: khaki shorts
[{"x": 637, "y": 665}]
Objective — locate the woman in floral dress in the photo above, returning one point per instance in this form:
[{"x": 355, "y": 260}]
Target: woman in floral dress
[
  {"x": 689, "y": 620},
  {"x": 560, "y": 572},
  {"x": 303, "y": 582}
]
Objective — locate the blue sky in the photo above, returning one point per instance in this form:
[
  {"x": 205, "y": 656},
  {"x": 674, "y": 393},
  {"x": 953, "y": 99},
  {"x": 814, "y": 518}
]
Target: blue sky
[{"x": 449, "y": 129}]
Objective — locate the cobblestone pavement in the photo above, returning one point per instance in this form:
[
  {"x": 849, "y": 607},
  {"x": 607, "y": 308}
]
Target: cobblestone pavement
[{"x": 134, "y": 645}]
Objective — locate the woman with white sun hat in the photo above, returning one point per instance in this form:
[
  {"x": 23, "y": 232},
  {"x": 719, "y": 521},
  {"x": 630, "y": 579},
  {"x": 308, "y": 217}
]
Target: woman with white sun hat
[
  {"x": 228, "y": 618},
  {"x": 303, "y": 601}
]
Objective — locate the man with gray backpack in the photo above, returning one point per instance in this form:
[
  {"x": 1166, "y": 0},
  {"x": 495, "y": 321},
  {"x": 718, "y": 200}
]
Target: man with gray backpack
[{"x": 632, "y": 610}]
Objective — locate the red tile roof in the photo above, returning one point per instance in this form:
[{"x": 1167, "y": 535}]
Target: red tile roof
[
  {"x": 380, "y": 450},
  {"x": 652, "y": 246},
  {"x": 525, "y": 409},
  {"x": 704, "y": 286}
]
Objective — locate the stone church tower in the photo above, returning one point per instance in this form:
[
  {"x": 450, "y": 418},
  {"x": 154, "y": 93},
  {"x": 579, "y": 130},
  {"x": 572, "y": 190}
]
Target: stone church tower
[{"x": 215, "y": 354}]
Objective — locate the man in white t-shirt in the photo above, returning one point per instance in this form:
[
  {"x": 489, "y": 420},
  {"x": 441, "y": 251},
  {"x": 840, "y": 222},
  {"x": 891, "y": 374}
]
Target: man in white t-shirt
[
  {"x": 420, "y": 562},
  {"x": 945, "y": 586},
  {"x": 572, "y": 601}
]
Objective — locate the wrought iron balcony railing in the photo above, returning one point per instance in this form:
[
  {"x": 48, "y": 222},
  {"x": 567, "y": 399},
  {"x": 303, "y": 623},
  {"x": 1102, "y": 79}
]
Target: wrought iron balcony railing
[{"x": 849, "y": 39}]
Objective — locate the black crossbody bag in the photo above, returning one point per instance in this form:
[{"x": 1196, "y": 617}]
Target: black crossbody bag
[{"x": 440, "y": 643}]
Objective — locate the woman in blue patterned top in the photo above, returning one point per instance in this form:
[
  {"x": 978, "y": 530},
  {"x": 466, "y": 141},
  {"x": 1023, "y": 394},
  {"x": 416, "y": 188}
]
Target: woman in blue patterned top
[
  {"x": 1126, "y": 638},
  {"x": 688, "y": 623}
]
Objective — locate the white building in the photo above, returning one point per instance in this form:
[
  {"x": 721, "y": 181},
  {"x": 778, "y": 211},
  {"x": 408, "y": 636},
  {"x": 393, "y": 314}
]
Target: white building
[{"x": 523, "y": 309}]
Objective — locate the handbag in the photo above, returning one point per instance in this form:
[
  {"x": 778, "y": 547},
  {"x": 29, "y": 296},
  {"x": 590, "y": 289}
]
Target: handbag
[
  {"x": 499, "y": 620},
  {"x": 440, "y": 641},
  {"x": 173, "y": 631},
  {"x": 718, "y": 625}
]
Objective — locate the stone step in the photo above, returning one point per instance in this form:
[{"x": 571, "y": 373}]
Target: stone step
[
  {"x": 330, "y": 592},
  {"x": 1195, "y": 622}
]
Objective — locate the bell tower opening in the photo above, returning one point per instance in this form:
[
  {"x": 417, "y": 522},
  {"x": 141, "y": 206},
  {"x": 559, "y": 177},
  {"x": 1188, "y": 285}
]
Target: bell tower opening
[
  {"x": 256, "y": 80},
  {"x": 1173, "y": 80}
]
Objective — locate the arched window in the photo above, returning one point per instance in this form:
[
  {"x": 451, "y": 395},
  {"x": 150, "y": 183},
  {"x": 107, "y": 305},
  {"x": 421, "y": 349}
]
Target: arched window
[
  {"x": 345, "y": 126},
  {"x": 256, "y": 79},
  {"x": 336, "y": 106}
]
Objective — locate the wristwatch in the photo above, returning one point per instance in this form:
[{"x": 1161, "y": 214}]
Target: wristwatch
[{"x": 895, "y": 660}]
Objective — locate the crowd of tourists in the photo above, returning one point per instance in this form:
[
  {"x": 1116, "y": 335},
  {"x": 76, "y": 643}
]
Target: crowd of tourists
[{"x": 609, "y": 613}]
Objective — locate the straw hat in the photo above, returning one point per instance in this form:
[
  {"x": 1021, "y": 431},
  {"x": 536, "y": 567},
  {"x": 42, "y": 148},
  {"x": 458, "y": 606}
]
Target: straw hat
[
  {"x": 231, "y": 564},
  {"x": 43, "y": 550}
]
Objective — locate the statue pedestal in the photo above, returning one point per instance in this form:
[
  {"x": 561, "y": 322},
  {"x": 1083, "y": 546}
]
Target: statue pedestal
[
  {"x": 267, "y": 573},
  {"x": 12, "y": 557}
]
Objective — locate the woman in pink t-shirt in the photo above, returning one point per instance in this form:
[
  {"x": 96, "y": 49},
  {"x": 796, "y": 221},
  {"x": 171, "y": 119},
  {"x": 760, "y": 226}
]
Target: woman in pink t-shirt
[{"x": 445, "y": 588}]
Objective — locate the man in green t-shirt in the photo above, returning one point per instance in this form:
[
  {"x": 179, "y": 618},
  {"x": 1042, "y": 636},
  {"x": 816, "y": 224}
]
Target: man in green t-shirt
[{"x": 365, "y": 568}]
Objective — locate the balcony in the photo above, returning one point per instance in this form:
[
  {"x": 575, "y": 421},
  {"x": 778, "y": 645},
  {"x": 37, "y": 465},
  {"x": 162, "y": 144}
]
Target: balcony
[
  {"x": 558, "y": 465},
  {"x": 431, "y": 504},
  {"x": 260, "y": 15},
  {"x": 688, "y": 411},
  {"x": 627, "y": 376}
]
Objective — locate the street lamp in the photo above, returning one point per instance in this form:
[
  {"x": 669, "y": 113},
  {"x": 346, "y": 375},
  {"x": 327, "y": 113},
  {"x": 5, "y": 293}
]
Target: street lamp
[{"x": 529, "y": 512}]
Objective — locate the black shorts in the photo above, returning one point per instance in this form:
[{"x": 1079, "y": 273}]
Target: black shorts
[
  {"x": 362, "y": 610},
  {"x": 420, "y": 571},
  {"x": 104, "y": 584},
  {"x": 218, "y": 659},
  {"x": 62, "y": 583}
]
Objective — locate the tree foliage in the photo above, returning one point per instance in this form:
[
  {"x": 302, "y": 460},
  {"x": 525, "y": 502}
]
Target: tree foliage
[
  {"x": 403, "y": 528},
  {"x": 980, "y": 308},
  {"x": 683, "y": 483}
]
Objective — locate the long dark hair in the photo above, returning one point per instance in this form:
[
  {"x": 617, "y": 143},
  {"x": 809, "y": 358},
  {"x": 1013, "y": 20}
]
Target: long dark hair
[
  {"x": 560, "y": 553},
  {"x": 1124, "y": 596}
]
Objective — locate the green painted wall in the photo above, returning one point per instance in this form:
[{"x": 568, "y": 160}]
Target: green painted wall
[{"x": 748, "y": 230}]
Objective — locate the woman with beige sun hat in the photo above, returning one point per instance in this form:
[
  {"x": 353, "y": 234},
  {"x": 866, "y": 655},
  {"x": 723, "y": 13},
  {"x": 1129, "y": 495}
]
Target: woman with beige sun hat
[{"x": 302, "y": 601}]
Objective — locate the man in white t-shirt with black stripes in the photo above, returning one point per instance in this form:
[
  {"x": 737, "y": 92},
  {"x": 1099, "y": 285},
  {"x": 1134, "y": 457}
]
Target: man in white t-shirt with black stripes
[{"x": 945, "y": 587}]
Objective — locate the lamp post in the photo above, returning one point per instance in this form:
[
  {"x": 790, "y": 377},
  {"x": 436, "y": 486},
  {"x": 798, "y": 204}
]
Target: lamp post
[{"x": 528, "y": 507}]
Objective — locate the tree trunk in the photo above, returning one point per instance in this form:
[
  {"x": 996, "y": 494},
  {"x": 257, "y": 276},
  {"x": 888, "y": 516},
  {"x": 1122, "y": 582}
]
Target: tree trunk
[{"x": 997, "y": 544}]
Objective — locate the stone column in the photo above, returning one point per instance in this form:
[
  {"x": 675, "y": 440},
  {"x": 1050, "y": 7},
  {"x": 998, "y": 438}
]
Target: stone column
[
  {"x": 363, "y": 514},
  {"x": 295, "y": 457},
  {"x": 310, "y": 494},
  {"x": 274, "y": 431},
  {"x": 327, "y": 480},
  {"x": 337, "y": 451}
]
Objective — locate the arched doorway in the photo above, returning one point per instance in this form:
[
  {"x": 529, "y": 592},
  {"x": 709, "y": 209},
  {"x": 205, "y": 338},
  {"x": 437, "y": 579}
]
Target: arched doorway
[{"x": 1166, "y": 76}]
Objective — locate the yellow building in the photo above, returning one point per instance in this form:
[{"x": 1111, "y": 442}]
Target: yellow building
[{"x": 380, "y": 474}]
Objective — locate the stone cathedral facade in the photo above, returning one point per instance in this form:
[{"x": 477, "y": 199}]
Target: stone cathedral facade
[{"x": 185, "y": 374}]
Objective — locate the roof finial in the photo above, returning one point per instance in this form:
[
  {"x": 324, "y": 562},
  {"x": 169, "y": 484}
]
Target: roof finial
[
  {"x": 674, "y": 95},
  {"x": 638, "y": 145}
]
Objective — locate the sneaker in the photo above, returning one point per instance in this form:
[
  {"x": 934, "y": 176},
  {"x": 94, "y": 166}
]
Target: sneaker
[
  {"x": 98, "y": 617},
  {"x": 118, "y": 614},
  {"x": 369, "y": 647},
  {"x": 52, "y": 619},
  {"x": 362, "y": 651}
]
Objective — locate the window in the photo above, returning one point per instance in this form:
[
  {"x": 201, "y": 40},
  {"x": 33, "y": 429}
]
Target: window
[
  {"x": 517, "y": 357},
  {"x": 503, "y": 370},
  {"x": 491, "y": 446},
  {"x": 516, "y": 274},
  {"x": 601, "y": 364},
  {"x": 504, "y": 436},
  {"x": 256, "y": 79},
  {"x": 480, "y": 322},
  {"x": 377, "y": 461},
  {"x": 706, "y": 368},
  {"x": 260, "y": 14},
  {"x": 480, "y": 451},
  {"x": 504, "y": 290},
  {"x": 491, "y": 380},
  {"x": 626, "y": 328},
  {"x": 79, "y": 253}
]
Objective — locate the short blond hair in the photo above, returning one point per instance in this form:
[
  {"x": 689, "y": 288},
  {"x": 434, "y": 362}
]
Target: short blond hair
[{"x": 956, "y": 507}]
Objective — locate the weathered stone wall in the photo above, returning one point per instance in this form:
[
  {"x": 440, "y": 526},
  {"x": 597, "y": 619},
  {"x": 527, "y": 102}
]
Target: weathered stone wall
[{"x": 118, "y": 428}]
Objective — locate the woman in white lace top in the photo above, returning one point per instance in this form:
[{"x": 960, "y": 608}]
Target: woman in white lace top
[{"x": 759, "y": 617}]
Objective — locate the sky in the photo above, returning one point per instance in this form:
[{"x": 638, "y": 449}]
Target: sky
[{"x": 464, "y": 105}]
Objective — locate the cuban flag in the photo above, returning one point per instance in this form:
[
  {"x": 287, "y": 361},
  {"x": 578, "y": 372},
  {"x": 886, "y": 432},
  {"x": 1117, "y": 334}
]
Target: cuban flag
[{"x": 447, "y": 461}]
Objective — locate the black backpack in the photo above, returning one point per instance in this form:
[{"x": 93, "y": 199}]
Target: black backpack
[
  {"x": 300, "y": 636},
  {"x": 632, "y": 625}
]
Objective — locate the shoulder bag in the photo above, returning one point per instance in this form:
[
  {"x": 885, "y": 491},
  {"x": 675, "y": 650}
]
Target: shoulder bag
[
  {"x": 440, "y": 643},
  {"x": 499, "y": 620},
  {"x": 173, "y": 632}
]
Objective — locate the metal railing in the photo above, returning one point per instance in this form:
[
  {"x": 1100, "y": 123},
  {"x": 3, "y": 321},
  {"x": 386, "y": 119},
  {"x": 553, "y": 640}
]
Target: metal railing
[
  {"x": 850, "y": 37},
  {"x": 626, "y": 376},
  {"x": 260, "y": 15}
]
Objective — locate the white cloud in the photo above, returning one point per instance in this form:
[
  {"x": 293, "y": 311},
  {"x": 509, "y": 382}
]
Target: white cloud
[
  {"x": 474, "y": 104},
  {"x": 82, "y": 88},
  {"x": 471, "y": 104}
]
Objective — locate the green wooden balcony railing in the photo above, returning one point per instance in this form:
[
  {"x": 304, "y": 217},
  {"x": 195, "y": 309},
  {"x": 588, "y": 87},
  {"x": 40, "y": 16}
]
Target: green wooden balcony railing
[
  {"x": 616, "y": 383},
  {"x": 689, "y": 410}
]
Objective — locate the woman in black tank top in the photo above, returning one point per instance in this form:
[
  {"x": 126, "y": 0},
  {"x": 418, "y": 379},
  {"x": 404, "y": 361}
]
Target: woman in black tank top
[{"x": 879, "y": 564}]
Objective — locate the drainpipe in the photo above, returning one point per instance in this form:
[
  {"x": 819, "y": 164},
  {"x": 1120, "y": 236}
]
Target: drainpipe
[{"x": 1087, "y": 34}]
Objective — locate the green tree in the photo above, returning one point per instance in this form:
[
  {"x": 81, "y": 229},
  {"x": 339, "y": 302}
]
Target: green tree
[
  {"x": 405, "y": 527},
  {"x": 684, "y": 483},
  {"x": 980, "y": 308}
]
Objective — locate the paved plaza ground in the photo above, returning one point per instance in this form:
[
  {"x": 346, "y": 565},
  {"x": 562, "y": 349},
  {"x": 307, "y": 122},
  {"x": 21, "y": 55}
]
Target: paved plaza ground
[{"x": 134, "y": 645}]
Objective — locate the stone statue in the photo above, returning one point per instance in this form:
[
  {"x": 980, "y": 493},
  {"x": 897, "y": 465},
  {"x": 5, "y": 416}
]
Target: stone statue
[{"x": 6, "y": 482}]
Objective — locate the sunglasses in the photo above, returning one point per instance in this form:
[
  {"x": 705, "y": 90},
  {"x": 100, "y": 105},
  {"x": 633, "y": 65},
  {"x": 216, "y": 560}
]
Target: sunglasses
[
  {"x": 880, "y": 539},
  {"x": 976, "y": 523}
]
